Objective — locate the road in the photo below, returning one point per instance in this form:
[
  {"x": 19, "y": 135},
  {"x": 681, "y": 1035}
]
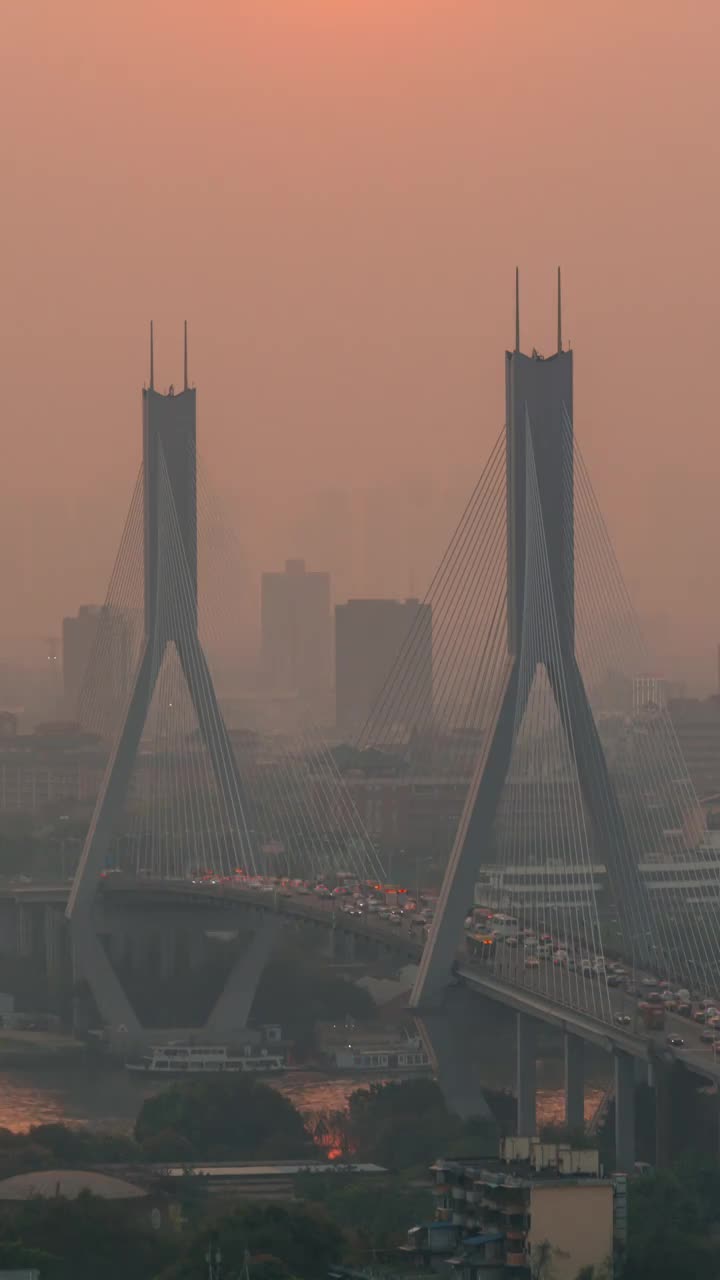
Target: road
[
  {"x": 506, "y": 981},
  {"x": 694, "y": 1053}
]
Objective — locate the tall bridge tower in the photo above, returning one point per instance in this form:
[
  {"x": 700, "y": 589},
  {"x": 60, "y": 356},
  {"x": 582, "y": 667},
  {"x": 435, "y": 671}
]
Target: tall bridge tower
[
  {"x": 170, "y": 619},
  {"x": 539, "y": 451}
]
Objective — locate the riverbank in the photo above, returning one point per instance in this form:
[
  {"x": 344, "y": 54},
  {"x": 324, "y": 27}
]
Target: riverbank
[{"x": 50, "y": 1049}]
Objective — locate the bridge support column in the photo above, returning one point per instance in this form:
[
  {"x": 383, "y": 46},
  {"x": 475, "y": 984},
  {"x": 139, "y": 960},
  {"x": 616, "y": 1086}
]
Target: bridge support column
[
  {"x": 526, "y": 1076},
  {"x": 232, "y": 1009},
  {"x": 445, "y": 1040},
  {"x": 574, "y": 1082},
  {"x": 54, "y": 928},
  {"x": 23, "y": 930},
  {"x": 662, "y": 1074},
  {"x": 624, "y": 1111}
]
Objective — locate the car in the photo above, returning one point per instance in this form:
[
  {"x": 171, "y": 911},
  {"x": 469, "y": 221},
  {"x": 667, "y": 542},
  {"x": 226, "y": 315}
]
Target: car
[
  {"x": 708, "y": 1035},
  {"x": 676, "y": 1042},
  {"x": 532, "y": 962},
  {"x": 384, "y": 913},
  {"x": 648, "y": 982},
  {"x": 560, "y": 959},
  {"x": 613, "y": 980},
  {"x": 510, "y": 941},
  {"x": 622, "y": 1019},
  {"x": 417, "y": 922},
  {"x": 395, "y": 917},
  {"x": 654, "y": 997}
]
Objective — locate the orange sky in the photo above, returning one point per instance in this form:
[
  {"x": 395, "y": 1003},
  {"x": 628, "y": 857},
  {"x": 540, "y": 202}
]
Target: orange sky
[{"x": 335, "y": 193}]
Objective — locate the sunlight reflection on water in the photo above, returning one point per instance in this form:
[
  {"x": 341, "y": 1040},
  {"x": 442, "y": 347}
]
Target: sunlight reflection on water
[{"x": 110, "y": 1100}]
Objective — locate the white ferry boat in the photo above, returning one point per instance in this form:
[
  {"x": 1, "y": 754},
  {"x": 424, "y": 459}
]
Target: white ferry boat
[{"x": 202, "y": 1060}]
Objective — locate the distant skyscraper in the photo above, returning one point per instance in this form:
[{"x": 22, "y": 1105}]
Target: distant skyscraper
[
  {"x": 78, "y": 640},
  {"x": 296, "y": 633},
  {"x": 369, "y": 636}
]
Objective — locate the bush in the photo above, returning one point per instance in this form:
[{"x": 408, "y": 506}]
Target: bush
[{"x": 234, "y": 1118}]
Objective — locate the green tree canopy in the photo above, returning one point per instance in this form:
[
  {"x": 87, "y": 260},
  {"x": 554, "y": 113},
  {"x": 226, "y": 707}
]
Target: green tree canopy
[
  {"x": 83, "y": 1239},
  {"x": 289, "y": 1239},
  {"x": 237, "y": 1117}
]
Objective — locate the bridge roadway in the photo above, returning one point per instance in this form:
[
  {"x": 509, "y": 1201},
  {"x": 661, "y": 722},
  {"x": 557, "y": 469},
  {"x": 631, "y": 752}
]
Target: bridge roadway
[{"x": 524, "y": 998}]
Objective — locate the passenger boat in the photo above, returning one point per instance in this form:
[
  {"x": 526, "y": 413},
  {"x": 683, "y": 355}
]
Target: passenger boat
[{"x": 203, "y": 1060}]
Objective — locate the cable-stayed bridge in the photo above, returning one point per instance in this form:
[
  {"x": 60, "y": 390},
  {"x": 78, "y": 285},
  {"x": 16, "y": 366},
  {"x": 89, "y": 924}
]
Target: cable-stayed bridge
[{"x": 532, "y": 633}]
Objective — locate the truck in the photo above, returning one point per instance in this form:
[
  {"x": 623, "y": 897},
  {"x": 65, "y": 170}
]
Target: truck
[{"x": 653, "y": 1016}]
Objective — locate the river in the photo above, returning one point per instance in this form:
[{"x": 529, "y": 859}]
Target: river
[{"x": 109, "y": 1098}]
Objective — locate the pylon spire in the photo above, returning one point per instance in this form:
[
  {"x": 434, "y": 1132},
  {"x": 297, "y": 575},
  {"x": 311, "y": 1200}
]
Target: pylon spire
[
  {"x": 559, "y": 346},
  {"x": 185, "y": 360},
  {"x": 152, "y": 359},
  {"x": 517, "y": 308}
]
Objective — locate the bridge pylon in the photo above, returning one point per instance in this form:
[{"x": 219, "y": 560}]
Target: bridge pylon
[
  {"x": 170, "y": 621},
  {"x": 540, "y": 632}
]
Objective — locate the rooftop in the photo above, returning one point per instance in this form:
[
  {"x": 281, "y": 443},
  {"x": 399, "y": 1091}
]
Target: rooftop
[{"x": 68, "y": 1183}]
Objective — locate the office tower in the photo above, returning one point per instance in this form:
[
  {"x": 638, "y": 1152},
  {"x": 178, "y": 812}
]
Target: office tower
[
  {"x": 369, "y": 640},
  {"x": 296, "y": 641},
  {"x": 78, "y": 640}
]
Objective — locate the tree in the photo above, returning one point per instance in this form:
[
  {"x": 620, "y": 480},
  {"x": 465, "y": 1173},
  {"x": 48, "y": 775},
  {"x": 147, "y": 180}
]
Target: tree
[
  {"x": 301, "y": 1241},
  {"x": 667, "y": 1230},
  {"x": 234, "y": 1118},
  {"x": 374, "y": 1212},
  {"x": 401, "y": 1124},
  {"x": 82, "y": 1239}
]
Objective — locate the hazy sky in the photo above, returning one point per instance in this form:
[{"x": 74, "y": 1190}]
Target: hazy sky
[{"x": 335, "y": 194}]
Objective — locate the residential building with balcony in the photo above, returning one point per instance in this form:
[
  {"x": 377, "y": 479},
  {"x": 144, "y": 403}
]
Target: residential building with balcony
[{"x": 539, "y": 1204}]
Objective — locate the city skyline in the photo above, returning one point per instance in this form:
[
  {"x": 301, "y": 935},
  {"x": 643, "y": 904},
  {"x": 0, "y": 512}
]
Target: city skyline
[{"x": 346, "y": 273}]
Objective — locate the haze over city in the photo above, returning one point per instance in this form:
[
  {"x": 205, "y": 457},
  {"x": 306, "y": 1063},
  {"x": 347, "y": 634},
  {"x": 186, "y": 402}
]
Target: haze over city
[
  {"x": 335, "y": 195},
  {"x": 360, "y": 649}
]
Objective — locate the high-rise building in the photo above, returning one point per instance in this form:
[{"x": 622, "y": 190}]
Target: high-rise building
[
  {"x": 697, "y": 726},
  {"x": 78, "y": 640},
  {"x": 296, "y": 635},
  {"x": 369, "y": 639}
]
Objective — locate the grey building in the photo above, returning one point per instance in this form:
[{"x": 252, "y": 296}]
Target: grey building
[
  {"x": 78, "y": 640},
  {"x": 373, "y": 638},
  {"x": 296, "y": 633}
]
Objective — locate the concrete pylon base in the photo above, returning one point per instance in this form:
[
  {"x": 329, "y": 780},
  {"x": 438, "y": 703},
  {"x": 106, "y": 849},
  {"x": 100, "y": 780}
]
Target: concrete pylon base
[{"x": 443, "y": 1032}]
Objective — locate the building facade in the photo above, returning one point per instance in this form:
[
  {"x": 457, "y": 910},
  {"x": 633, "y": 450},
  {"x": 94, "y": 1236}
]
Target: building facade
[
  {"x": 697, "y": 726},
  {"x": 296, "y": 634},
  {"x": 541, "y": 1208},
  {"x": 370, "y": 640},
  {"x": 78, "y": 639}
]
